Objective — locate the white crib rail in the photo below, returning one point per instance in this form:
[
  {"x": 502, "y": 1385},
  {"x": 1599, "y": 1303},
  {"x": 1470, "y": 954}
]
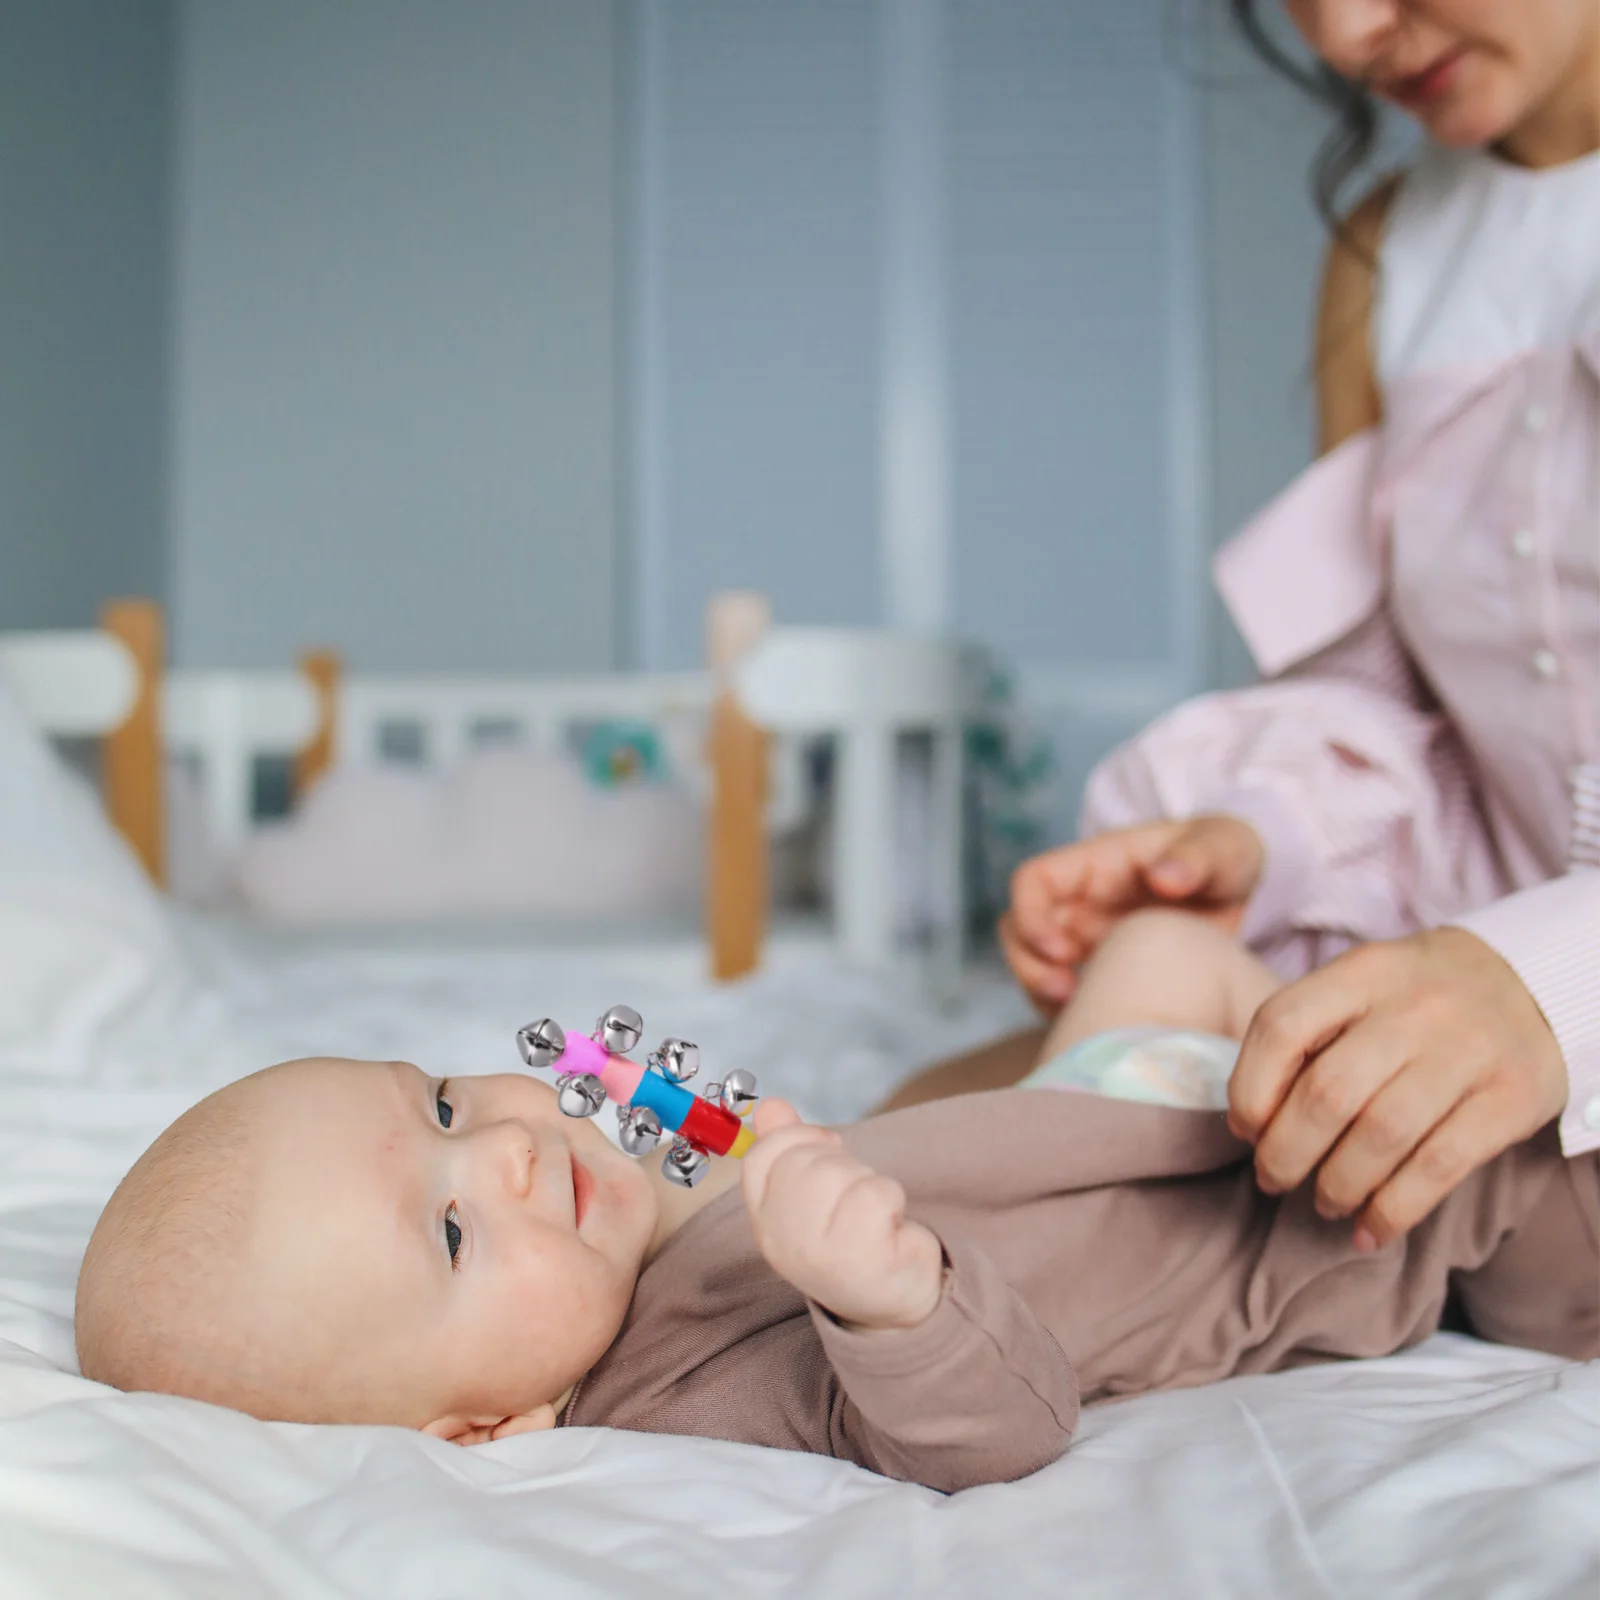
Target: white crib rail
[
  {"x": 70, "y": 683},
  {"x": 449, "y": 714},
  {"x": 863, "y": 689},
  {"x": 867, "y": 689},
  {"x": 224, "y": 722}
]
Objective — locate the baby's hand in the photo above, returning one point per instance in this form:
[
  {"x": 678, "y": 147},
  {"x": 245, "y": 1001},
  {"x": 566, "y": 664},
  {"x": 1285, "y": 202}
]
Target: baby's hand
[{"x": 836, "y": 1229}]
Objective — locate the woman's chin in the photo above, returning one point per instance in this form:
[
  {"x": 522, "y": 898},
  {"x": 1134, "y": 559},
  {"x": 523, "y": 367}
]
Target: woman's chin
[
  {"x": 1460, "y": 131},
  {"x": 1468, "y": 121}
]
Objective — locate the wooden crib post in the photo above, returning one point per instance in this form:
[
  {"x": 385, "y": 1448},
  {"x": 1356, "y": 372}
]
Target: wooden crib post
[
  {"x": 737, "y": 886},
  {"x": 132, "y": 766},
  {"x": 323, "y": 668}
]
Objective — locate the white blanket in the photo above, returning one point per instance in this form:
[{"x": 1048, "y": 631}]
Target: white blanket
[
  {"x": 1455, "y": 1469},
  {"x": 85, "y": 947}
]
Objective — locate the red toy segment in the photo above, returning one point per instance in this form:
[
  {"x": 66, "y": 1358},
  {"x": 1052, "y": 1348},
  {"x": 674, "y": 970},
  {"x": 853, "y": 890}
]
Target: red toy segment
[{"x": 711, "y": 1127}]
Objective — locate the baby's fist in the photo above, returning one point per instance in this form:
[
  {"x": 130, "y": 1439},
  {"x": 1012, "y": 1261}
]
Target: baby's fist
[{"x": 836, "y": 1229}]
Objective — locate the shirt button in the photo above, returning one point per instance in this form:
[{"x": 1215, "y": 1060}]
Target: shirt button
[
  {"x": 1533, "y": 419},
  {"x": 1591, "y": 1114},
  {"x": 1522, "y": 542},
  {"x": 1545, "y": 663}
]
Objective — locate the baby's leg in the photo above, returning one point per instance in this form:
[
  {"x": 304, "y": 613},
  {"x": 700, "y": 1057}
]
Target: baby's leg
[
  {"x": 1157, "y": 968},
  {"x": 1164, "y": 969}
]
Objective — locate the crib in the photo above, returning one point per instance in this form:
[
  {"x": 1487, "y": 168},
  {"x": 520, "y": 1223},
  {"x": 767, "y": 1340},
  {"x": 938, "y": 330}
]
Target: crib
[{"x": 893, "y": 708}]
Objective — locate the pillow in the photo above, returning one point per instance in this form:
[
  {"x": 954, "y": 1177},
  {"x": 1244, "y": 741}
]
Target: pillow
[
  {"x": 89, "y": 966},
  {"x": 510, "y": 833}
]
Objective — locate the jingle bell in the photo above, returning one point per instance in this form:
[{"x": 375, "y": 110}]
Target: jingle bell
[
  {"x": 580, "y": 1094},
  {"x": 684, "y": 1163},
  {"x": 639, "y": 1129},
  {"x": 619, "y": 1030},
  {"x": 541, "y": 1042},
  {"x": 737, "y": 1092},
  {"x": 676, "y": 1059}
]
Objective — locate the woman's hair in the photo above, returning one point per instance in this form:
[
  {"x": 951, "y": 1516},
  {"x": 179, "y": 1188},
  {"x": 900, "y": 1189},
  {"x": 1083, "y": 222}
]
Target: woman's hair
[{"x": 1353, "y": 137}]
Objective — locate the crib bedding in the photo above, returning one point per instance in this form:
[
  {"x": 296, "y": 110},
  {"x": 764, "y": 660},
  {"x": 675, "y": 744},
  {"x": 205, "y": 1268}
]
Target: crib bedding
[{"x": 1454, "y": 1468}]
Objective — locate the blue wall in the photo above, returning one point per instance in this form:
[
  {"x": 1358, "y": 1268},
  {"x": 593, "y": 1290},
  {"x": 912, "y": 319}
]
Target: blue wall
[
  {"x": 755, "y": 201},
  {"x": 448, "y": 285},
  {"x": 759, "y": 356},
  {"x": 85, "y": 97},
  {"x": 395, "y": 374}
]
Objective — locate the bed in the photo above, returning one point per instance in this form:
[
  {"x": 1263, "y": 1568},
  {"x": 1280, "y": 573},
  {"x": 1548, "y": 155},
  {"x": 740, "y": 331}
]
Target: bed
[{"x": 1455, "y": 1468}]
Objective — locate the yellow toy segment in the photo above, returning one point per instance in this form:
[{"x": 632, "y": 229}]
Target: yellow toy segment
[{"x": 742, "y": 1143}]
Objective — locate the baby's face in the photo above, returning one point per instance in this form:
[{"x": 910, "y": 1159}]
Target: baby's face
[{"x": 478, "y": 1247}]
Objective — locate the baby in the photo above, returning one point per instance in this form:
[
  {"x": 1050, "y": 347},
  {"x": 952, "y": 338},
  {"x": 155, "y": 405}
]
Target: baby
[{"x": 931, "y": 1293}]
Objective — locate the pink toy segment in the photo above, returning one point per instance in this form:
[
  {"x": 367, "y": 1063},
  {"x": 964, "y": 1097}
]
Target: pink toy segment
[
  {"x": 584, "y": 1054},
  {"x": 619, "y": 1075},
  {"x": 621, "y": 1078}
]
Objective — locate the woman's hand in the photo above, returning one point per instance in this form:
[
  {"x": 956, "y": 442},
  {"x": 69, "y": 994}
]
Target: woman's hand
[
  {"x": 1393, "y": 1072},
  {"x": 836, "y": 1229},
  {"x": 1064, "y": 901}
]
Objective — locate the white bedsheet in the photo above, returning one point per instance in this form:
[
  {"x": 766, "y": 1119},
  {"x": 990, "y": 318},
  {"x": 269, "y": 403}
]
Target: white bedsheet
[{"x": 1455, "y": 1469}]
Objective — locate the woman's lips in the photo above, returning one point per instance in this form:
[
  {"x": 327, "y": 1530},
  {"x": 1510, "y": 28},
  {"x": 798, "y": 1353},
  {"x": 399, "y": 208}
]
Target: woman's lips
[{"x": 1425, "y": 86}]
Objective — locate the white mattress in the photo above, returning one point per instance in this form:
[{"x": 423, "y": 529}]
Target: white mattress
[{"x": 1455, "y": 1469}]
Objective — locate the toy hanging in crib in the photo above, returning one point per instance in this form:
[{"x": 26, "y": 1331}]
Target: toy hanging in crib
[{"x": 650, "y": 1100}]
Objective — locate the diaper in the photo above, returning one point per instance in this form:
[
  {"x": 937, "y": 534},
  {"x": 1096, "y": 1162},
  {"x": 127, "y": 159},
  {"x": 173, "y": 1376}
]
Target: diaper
[{"x": 1161, "y": 1066}]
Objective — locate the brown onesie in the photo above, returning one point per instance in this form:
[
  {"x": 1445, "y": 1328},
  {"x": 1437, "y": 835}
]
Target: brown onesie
[{"x": 1096, "y": 1248}]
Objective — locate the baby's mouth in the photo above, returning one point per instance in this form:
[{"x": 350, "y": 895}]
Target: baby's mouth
[{"x": 582, "y": 1192}]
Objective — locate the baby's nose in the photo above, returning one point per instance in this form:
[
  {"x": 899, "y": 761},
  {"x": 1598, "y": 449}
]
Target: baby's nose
[{"x": 516, "y": 1148}]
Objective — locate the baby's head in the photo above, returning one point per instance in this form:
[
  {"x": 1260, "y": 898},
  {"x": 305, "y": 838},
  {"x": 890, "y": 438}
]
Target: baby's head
[{"x": 352, "y": 1241}]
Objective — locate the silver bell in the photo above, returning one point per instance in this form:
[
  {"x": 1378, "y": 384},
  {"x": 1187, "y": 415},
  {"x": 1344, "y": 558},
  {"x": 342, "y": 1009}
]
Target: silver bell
[
  {"x": 676, "y": 1059},
  {"x": 541, "y": 1042},
  {"x": 580, "y": 1094},
  {"x": 639, "y": 1129},
  {"x": 619, "y": 1030},
  {"x": 737, "y": 1092},
  {"x": 684, "y": 1163}
]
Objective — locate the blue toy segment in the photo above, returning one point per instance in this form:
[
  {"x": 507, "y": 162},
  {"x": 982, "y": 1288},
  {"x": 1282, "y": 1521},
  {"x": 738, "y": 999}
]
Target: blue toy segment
[{"x": 669, "y": 1101}]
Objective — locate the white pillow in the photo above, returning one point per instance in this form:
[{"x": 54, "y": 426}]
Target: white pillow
[
  {"x": 89, "y": 966},
  {"x": 510, "y": 833}
]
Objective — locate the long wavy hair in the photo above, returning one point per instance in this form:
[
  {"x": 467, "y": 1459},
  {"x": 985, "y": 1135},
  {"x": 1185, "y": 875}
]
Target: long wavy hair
[{"x": 1348, "y": 147}]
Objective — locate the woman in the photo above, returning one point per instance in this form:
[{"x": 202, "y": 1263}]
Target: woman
[{"x": 1419, "y": 775}]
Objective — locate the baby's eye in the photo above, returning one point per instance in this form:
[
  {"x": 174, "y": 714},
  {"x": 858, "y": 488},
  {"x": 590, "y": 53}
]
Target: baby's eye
[
  {"x": 452, "y": 1234},
  {"x": 442, "y": 1106}
]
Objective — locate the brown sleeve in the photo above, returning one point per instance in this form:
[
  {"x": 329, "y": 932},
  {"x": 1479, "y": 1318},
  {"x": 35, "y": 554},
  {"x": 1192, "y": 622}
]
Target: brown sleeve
[{"x": 979, "y": 1392}]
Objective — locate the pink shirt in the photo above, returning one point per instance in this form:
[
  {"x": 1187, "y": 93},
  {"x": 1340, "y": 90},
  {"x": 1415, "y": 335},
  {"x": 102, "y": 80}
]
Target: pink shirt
[{"x": 1424, "y": 604}]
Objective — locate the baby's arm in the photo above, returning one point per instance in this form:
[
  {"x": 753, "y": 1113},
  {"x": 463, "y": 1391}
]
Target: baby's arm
[
  {"x": 837, "y": 1230},
  {"x": 1169, "y": 969},
  {"x": 948, "y": 1378}
]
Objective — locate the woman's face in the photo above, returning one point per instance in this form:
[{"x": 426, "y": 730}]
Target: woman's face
[{"x": 1470, "y": 71}]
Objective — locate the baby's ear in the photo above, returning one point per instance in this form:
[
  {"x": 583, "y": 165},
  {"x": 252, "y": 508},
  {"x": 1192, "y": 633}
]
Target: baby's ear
[{"x": 480, "y": 1430}]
